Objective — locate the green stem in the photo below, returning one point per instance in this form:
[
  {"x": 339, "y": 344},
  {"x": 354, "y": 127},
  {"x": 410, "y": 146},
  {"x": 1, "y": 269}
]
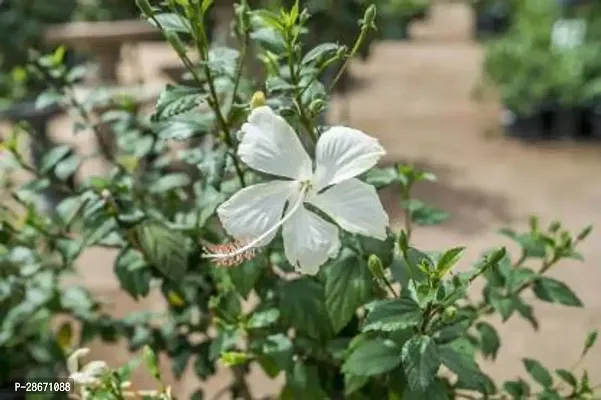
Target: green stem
[{"x": 352, "y": 54}]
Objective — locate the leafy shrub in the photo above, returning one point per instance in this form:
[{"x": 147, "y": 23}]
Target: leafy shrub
[{"x": 340, "y": 305}]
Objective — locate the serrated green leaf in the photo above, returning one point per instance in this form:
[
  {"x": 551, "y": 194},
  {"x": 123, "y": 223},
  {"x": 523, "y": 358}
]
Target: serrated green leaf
[
  {"x": 538, "y": 372},
  {"x": 490, "y": 342},
  {"x": 420, "y": 362},
  {"x": 373, "y": 357},
  {"x": 392, "y": 315},
  {"x": 348, "y": 286},
  {"x": 458, "y": 357},
  {"x": 554, "y": 291},
  {"x": 320, "y": 52},
  {"x": 302, "y": 305},
  {"x": 176, "y": 100},
  {"x": 164, "y": 248},
  {"x": 567, "y": 377}
]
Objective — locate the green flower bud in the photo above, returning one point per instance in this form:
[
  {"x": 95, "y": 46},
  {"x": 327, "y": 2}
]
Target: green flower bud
[
  {"x": 585, "y": 232},
  {"x": 317, "y": 106},
  {"x": 449, "y": 314},
  {"x": 370, "y": 16},
  {"x": 375, "y": 267},
  {"x": 258, "y": 100}
]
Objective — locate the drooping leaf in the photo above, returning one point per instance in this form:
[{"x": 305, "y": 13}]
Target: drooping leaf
[
  {"x": 53, "y": 157},
  {"x": 490, "y": 342},
  {"x": 321, "y": 52},
  {"x": 538, "y": 372},
  {"x": 133, "y": 273},
  {"x": 166, "y": 249},
  {"x": 554, "y": 291},
  {"x": 567, "y": 377},
  {"x": 348, "y": 286},
  {"x": 373, "y": 357},
  {"x": 420, "y": 362},
  {"x": 392, "y": 315}
]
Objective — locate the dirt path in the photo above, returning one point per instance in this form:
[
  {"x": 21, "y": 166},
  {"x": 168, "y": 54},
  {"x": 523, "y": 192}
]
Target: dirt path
[{"x": 415, "y": 97}]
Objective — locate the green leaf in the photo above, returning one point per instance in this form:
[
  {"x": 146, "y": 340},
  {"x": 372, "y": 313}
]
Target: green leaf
[
  {"x": 567, "y": 377},
  {"x": 589, "y": 342},
  {"x": 169, "y": 182},
  {"x": 67, "y": 167},
  {"x": 184, "y": 126},
  {"x": 424, "y": 215},
  {"x": 435, "y": 391},
  {"x": 392, "y": 315},
  {"x": 348, "y": 286},
  {"x": 381, "y": 177},
  {"x": 279, "y": 348},
  {"x": 164, "y": 248},
  {"x": 373, "y": 357},
  {"x": 538, "y": 372},
  {"x": 46, "y": 99},
  {"x": 352, "y": 383},
  {"x": 518, "y": 389},
  {"x": 133, "y": 273},
  {"x": 420, "y": 361},
  {"x": 448, "y": 260},
  {"x": 263, "y": 318},
  {"x": 490, "y": 342},
  {"x": 53, "y": 157},
  {"x": 245, "y": 276},
  {"x": 458, "y": 357},
  {"x": 384, "y": 249},
  {"x": 270, "y": 39},
  {"x": 554, "y": 291},
  {"x": 304, "y": 383},
  {"x": 303, "y": 306},
  {"x": 177, "y": 99},
  {"x": 172, "y": 22},
  {"x": 503, "y": 305},
  {"x": 222, "y": 60},
  {"x": 320, "y": 52}
]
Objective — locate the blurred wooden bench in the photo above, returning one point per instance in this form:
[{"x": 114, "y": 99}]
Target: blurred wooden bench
[{"x": 103, "y": 39}]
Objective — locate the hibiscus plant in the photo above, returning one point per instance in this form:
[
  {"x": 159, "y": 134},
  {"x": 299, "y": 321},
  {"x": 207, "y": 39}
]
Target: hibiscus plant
[{"x": 265, "y": 235}]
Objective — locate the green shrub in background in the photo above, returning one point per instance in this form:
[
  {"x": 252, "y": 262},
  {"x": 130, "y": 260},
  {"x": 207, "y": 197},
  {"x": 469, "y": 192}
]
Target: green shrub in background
[
  {"x": 528, "y": 70},
  {"x": 378, "y": 319}
]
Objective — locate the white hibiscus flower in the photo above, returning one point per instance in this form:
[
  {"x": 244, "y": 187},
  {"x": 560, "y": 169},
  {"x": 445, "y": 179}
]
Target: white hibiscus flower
[
  {"x": 90, "y": 373},
  {"x": 254, "y": 214}
]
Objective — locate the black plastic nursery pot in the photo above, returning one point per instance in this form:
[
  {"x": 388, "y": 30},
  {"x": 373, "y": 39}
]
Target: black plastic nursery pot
[
  {"x": 594, "y": 119},
  {"x": 491, "y": 21},
  {"x": 567, "y": 122},
  {"x": 526, "y": 125}
]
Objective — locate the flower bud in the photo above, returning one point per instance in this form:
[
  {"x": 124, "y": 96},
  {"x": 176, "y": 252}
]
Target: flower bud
[
  {"x": 258, "y": 100},
  {"x": 449, "y": 314},
  {"x": 369, "y": 17},
  {"x": 585, "y": 232},
  {"x": 317, "y": 106},
  {"x": 105, "y": 194},
  {"x": 375, "y": 267}
]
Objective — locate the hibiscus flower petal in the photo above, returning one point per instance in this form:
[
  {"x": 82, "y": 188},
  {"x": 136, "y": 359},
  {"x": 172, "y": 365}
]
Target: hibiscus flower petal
[
  {"x": 309, "y": 241},
  {"x": 355, "y": 207},
  {"x": 270, "y": 145},
  {"x": 253, "y": 210},
  {"x": 343, "y": 153}
]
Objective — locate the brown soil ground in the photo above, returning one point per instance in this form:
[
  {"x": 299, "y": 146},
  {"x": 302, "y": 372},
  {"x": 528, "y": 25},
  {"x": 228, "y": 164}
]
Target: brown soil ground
[{"x": 416, "y": 98}]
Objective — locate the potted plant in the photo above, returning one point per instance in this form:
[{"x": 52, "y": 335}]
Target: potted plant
[{"x": 492, "y": 17}]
